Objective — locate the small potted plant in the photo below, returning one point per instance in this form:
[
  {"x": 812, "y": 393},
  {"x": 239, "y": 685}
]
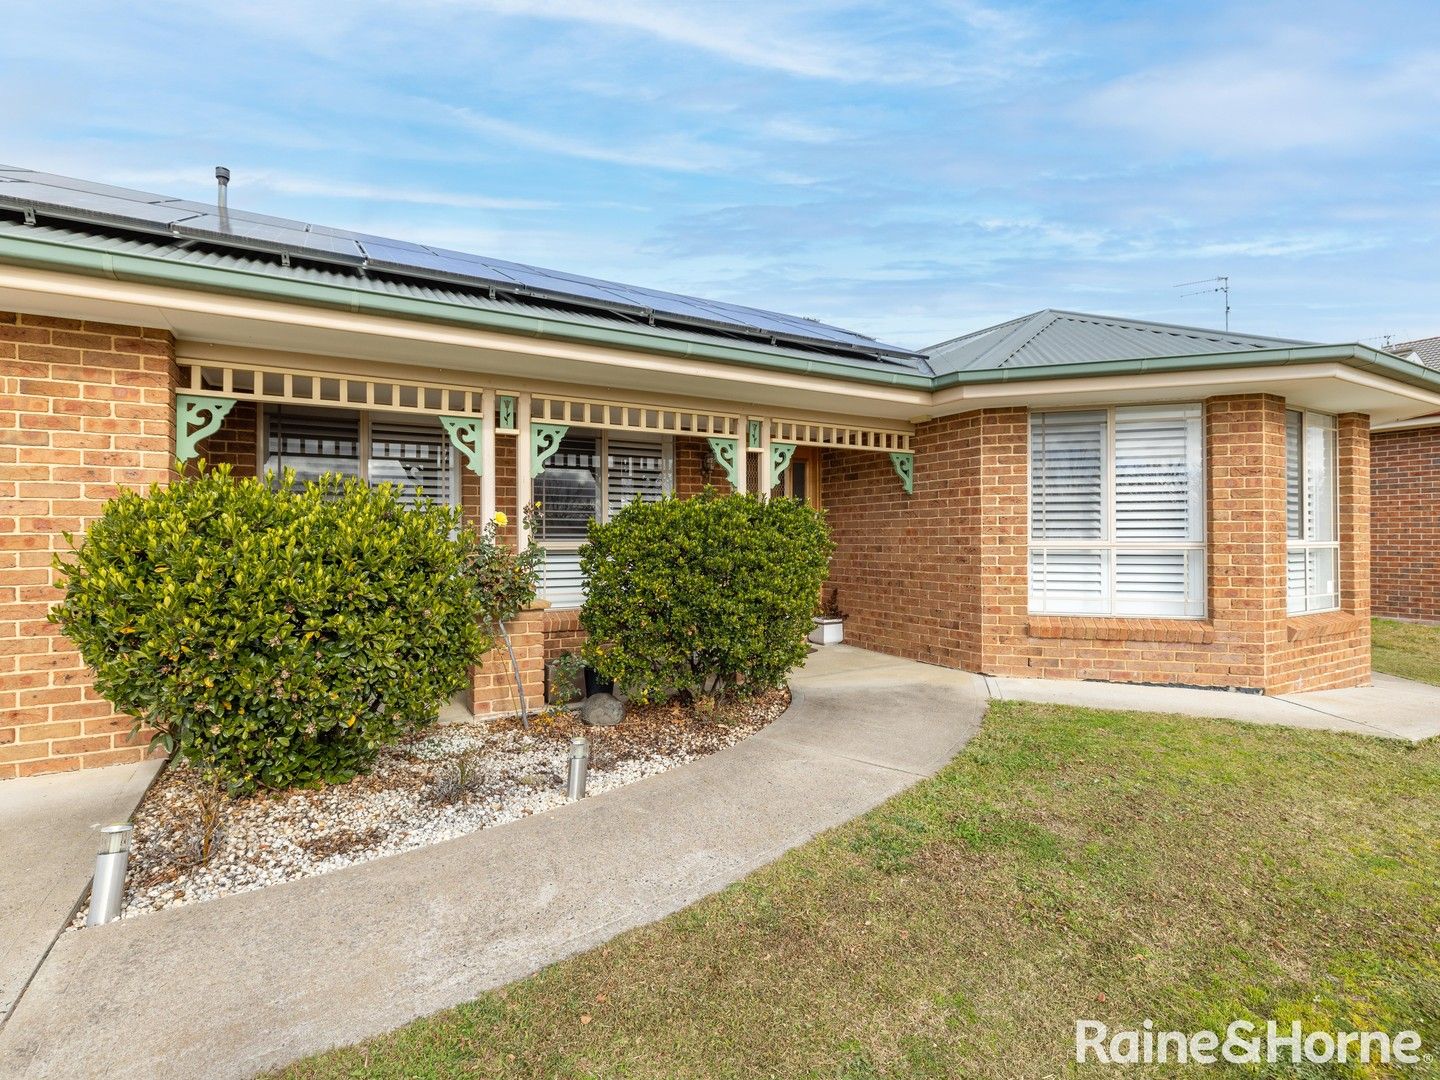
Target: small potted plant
[{"x": 830, "y": 623}]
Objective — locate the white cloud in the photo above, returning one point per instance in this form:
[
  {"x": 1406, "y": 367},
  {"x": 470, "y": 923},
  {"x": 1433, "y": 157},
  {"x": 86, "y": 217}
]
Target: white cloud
[
  {"x": 778, "y": 37},
  {"x": 1269, "y": 100},
  {"x": 677, "y": 153}
]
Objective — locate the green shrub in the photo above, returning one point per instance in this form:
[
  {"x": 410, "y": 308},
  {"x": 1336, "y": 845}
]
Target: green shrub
[
  {"x": 702, "y": 595},
  {"x": 275, "y": 635}
]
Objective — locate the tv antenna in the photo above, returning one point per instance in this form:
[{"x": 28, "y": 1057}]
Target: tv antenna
[{"x": 1217, "y": 284}]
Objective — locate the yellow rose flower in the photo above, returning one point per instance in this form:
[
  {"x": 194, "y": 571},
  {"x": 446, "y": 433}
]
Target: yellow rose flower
[{"x": 500, "y": 518}]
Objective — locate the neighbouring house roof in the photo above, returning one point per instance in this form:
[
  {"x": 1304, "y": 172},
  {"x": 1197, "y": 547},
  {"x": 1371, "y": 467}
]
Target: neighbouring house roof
[
  {"x": 1423, "y": 350},
  {"x": 1047, "y": 338},
  {"x": 83, "y": 213}
]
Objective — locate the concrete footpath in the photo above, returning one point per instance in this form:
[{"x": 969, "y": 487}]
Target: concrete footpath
[
  {"x": 248, "y": 982},
  {"x": 1389, "y": 708},
  {"x": 47, "y": 853}
]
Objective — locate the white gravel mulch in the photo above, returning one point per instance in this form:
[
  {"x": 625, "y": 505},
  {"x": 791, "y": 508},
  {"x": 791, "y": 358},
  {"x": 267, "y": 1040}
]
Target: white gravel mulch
[{"x": 410, "y": 799}]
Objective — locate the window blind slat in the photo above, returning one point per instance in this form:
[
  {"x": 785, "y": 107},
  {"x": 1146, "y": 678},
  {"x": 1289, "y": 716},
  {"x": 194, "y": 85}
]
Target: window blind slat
[
  {"x": 416, "y": 456},
  {"x": 1157, "y": 474},
  {"x": 1067, "y": 475}
]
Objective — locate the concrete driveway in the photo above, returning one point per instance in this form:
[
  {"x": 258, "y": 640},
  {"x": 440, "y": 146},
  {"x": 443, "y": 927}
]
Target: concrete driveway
[{"x": 252, "y": 981}]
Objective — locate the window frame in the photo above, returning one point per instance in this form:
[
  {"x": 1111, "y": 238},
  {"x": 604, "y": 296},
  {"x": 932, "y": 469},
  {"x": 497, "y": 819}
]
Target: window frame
[
  {"x": 268, "y": 413},
  {"x": 602, "y": 437},
  {"x": 1197, "y": 562},
  {"x": 1305, "y": 544}
]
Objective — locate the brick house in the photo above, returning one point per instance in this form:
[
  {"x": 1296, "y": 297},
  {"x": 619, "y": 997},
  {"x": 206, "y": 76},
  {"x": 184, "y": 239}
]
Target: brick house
[
  {"x": 1063, "y": 495},
  {"x": 1405, "y": 526}
]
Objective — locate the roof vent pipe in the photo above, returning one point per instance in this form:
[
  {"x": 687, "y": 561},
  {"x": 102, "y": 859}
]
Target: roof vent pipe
[{"x": 222, "y": 177}]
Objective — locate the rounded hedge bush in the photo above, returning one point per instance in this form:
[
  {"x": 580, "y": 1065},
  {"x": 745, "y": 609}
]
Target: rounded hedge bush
[
  {"x": 276, "y": 635},
  {"x": 702, "y": 596}
]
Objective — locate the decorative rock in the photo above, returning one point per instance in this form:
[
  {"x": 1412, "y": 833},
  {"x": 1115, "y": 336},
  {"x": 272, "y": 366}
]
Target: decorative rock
[{"x": 602, "y": 710}]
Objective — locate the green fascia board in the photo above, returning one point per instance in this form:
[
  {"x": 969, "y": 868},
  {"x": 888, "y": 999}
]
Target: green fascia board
[
  {"x": 50, "y": 255},
  {"x": 1362, "y": 357},
  {"x": 123, "y": 267}
]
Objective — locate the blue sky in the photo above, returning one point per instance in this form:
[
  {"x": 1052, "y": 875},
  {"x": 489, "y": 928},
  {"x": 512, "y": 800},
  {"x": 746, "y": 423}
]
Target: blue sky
[{"x": 911, "y": 170}]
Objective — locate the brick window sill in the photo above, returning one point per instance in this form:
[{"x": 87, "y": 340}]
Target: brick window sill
[
  {"x": 1083, "y": 628},
  {"x": 1326, "y": 624}
]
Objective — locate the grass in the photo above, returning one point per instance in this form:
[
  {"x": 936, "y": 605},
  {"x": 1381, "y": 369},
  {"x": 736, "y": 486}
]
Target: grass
[
  {"x": 1071, "y": 863},
  {"x": 1409, "y": 650}
]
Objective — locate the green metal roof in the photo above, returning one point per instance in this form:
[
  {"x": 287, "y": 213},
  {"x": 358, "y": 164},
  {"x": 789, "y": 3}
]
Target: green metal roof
[{"x": 1048, "y": 338}]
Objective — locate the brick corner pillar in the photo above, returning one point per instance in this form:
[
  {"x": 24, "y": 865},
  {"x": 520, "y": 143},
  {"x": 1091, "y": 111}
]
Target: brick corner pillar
[
  {"x": 492, "y": 680},
  {"x": 1245, "y": 529},
  {"x": 88, "y": 409},
  {"x": 1353, "y": 466},
  {"x": 1002, "y": 538}
]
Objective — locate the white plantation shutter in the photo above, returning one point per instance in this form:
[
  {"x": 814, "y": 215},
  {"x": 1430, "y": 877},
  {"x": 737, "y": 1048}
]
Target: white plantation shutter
[
  {"x": 1157, "y": 473},
  {"x": 1320, "y": 478},
  {"x": 561, "y": 582},
  {"x": 1159, "y": 583},
  {"x": 1294, "y": 499},
  {"x": 1312, "y": 561},
  {"x": 568, "y": 490},
  {"x": 313, "y": 442},
  {"x": 636, "y": 469},
  {"x": 574, "y": 490},
  {"x": 1067, "y": 475},
  {"x": 414, "y": 454},
  {"x": 1072, "y": 581},
  {"x": 1117, "y": 512}
]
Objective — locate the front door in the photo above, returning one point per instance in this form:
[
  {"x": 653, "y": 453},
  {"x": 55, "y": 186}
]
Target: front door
[{"x": 802, "y": 479}]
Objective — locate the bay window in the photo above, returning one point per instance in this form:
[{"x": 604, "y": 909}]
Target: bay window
[
  {"x": 412, "y": 452},
  {"x": 591, "y": 477},
  {"x": 1117, "y": 512},
  {"x": 1312, "y": 554}
]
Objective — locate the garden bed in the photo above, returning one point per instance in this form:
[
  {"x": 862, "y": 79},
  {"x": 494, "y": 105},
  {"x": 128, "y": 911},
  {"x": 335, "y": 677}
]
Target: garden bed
[{"x": 413, "y": 797}]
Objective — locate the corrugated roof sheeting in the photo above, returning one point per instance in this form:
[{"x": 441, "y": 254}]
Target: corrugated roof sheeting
[
  {"x": 454, "y": 296},
  {"x": 1050, "y": 337},
  {"x": 48, "y": 198}
]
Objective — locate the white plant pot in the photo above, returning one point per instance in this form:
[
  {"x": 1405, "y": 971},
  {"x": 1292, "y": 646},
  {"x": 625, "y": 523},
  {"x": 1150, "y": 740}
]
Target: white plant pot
[{"x": 828, "y": 632}]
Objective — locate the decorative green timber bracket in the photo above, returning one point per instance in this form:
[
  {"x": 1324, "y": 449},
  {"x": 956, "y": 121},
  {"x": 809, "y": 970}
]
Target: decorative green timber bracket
[
  {"x": 752, "y": 435},
  {"x": 780, "y": 455},
  {"x": 905, "y": 469},
  {"x": 505, "y": 409},
  {"x": 464, "y": 433},
  {"x": 727, "y": 453},
  {"x": 190, "y": 428},
  {"x": 544, "y": 441}
]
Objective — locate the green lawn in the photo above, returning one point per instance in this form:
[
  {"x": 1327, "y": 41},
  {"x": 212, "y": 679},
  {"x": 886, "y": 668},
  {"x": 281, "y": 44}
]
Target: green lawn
[
  {"x": 1070, "y": 863},
  {"x": 1407, "y": 650}
]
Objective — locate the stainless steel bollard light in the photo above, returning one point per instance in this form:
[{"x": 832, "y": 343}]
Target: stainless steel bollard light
[
  {"x": 108, "y": 889},
  {"x": 579, "y": 764}
]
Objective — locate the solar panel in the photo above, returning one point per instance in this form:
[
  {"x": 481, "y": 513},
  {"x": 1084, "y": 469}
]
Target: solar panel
[{"x": 81, "y": 200}]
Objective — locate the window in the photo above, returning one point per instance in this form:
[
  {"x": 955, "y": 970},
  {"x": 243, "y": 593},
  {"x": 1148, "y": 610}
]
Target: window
[
  {"x": 1312, "y": 561},
  {"x": 573, "y": 490},
  {"x": 412, "y": 452},
  {"x": 1117, "y": 512}
]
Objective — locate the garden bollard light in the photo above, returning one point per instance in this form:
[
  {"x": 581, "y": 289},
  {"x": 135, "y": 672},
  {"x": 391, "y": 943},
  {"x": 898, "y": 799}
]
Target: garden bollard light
[
  {"x": 579, "y": 763},
  {"x": 108, "y": 888}
]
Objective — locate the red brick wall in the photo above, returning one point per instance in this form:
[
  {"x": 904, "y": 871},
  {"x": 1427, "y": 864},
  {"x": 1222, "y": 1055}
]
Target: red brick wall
[
  {"x": 236, "y": 442},
  {"x": 85, "y": 409},
  {"x": 905, "y": 565},
  {"x": 1405, "y": 527},
  {"x": 941, "y": 576}
]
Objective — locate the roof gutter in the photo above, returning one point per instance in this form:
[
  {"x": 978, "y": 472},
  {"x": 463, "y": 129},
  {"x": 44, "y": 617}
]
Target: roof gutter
[
  {"x": 46, "y": 255},
  {"x": 1362, "y": 357}
]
